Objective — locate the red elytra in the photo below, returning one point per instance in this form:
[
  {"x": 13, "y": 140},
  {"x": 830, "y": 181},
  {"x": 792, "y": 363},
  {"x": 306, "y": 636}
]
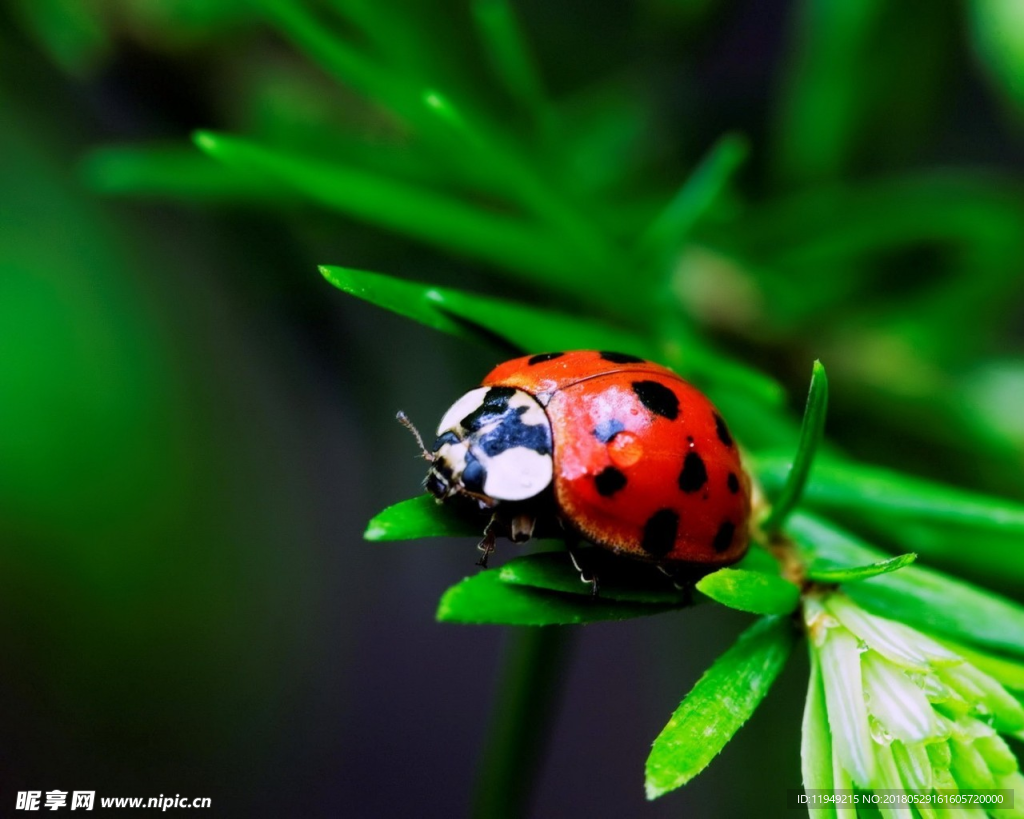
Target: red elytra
[{"x": 644, "y": 465}]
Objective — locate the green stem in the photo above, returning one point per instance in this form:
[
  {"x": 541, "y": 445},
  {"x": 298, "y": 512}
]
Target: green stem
[{"x": 531, "y": 678}]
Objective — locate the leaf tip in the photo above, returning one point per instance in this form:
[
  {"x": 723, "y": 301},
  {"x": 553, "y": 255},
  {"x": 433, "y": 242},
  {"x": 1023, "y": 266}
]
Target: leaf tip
[
  {"x": 343, "y": 278},
  {"x": 656, "y": 783},
  {"x": 206, "y": 141},
  {"x": 432, "y": 99},
  {"x": 653, "y": 791},
  {"x": 328, "y": 272},
  {"x": 445, "y": 610}
]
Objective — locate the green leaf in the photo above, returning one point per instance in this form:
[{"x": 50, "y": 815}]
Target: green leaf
[
  {"x": 759, "y": 559},
  {"x": 467, "y": 229},
  {"x": 751, "y": 591},
  {"x": 176, "y": 172},
  {"x": 824, "y": 87},
  {"x": 421, "y": 517},
  {"x": 73, "y": 34},
  {"x": 721, "y": 701},
  {"x": 863, "y": 79},
  {"x": 486, "y": 599},
  {"x": 396, "y": 36},
  {"x": 698, "y": 194},
  {"x": 838, "y": 228},
  {"x": 344, "y": 62},
  {"x": 998, "y": 32},
  {"x": 849, "y": 486},
  {"x": 458, "y": 136},
  {"x": 510, "y": 57},
  {"x": 816, "y": 740},
  {"x": 959, "y": 527},
  {"x": 517, "y": 327},
  {"x": 523, "y": 328},
  {"x": 811, "y": 431},
  {"x": 917, "y": 596},
  {"x": 619, "y": 577},
  {"x": 531, "y": 188},
  {"x": 825, "y": 572}
]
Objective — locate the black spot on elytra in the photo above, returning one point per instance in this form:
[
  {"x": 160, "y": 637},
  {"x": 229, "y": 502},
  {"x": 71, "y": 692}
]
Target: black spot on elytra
[
  {"x": 723, "y": 537},
  {"x": 621, "y": 358},
  {"x": 609, "y": 481},
  {"x": 694, "y": 474},
  {"x": 734, "y": 483},
  {"x": 658, "y": 398},
  {"x": 537, "y": 359},
  {"x": 607, "y": 430},
  {"x": 722, "y": 430},
  {"x": 660, "y": 533}
]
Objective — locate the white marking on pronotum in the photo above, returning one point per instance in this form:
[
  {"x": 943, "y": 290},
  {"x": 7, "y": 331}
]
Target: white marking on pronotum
[
  {"x": 517, "y": 474},
  {"x": 534, "y": 415},
  {"x": 471, "y": 401}
]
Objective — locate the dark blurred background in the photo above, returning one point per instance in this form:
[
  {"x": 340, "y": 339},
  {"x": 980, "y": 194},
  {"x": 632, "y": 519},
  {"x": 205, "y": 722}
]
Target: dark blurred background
[{"x": 195, "y": 427}]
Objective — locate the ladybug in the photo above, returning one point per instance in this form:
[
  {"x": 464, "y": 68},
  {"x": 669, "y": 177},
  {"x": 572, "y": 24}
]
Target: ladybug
[{"x": 619, "y": 451}]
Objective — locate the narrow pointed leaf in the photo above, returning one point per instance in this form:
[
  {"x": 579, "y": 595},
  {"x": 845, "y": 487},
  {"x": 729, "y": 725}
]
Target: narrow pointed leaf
[
  {"x": 721, "y": 701},
  {"x": 811, "y": 431},
  {"x": 824, "y": 572},
  {"x": 531, "y": 189},
  {"x": 751, "y": 591},
  {"x": 176, "y": 172},
  {"x": 997, "y": 28},
  {"x": 518, "y": 327},
  {"x": 421, "y": 517},
  {"x": 522, "y": 328},
  {"x": 342, "y": 60},
  {"x": 510, "y": 57},
  {"x": 486, "y": 599},
  {"x": 957, "y": 527},
  {"x": 846, "y": 485},
  {"x": 619, "y": 577},
  {"x": 759, "y": 559},
  {"x": 927, "y": 599},
  {"x": 467, "y": 229},
  {"x": 695, "y": 198},
  {"x": 395, "y": 36}
]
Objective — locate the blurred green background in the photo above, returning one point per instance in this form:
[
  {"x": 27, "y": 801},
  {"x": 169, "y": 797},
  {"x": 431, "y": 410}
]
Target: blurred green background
[{"x": 194, "y": 426}]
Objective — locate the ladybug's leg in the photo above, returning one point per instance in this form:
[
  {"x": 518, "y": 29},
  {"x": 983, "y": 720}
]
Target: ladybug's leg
[
  {"x": 486, "y": 546},
  {"x": 683, "y": 581},
  {"x": 571, "y": 543},
  {"x": 522, "y": 528}
]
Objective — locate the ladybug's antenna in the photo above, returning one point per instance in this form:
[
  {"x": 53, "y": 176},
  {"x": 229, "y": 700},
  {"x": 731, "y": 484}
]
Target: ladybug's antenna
[{"x": 403, "y": 419}]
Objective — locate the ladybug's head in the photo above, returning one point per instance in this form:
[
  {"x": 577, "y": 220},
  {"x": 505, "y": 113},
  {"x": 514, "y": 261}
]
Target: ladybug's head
[{"x": 493, "y": 445}]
